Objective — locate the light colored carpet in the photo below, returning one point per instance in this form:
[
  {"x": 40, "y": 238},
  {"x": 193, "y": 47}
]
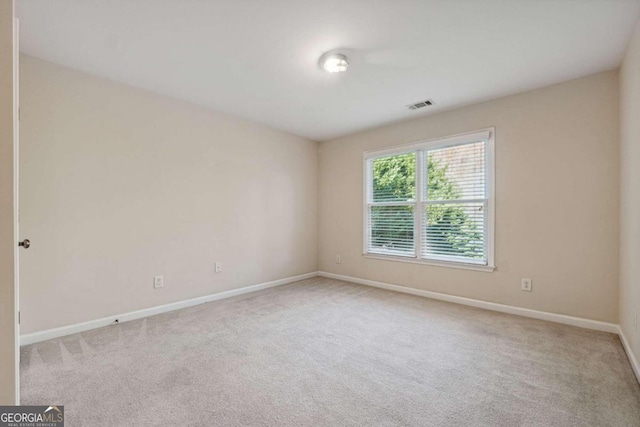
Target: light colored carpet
[{"x": 327, "y": 353}]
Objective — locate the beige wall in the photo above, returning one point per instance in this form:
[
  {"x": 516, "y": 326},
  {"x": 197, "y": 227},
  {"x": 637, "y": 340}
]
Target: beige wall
[
  {"x": 630, "y": 192},
  {"x": 556, "y": 200},
  {"x": 7, "y": 240},
  {"x": 119, "y": 185}
]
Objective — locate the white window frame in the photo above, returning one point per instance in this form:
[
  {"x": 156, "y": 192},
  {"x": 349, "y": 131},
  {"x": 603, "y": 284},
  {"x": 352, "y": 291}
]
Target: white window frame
[{"x": 431, "y": 144}]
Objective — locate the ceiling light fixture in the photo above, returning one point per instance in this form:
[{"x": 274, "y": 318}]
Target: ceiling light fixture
[{"x": 334, "y": 63}]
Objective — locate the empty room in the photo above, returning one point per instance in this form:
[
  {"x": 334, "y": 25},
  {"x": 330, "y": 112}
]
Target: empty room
[{"x": 319, "y": 213}]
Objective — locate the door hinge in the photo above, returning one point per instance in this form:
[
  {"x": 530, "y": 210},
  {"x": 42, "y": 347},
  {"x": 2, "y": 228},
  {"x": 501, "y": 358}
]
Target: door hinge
[{"x": 18, "y": 318}]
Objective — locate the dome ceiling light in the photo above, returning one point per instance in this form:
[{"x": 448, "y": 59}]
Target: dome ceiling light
[{"x": 334, "y": 63}]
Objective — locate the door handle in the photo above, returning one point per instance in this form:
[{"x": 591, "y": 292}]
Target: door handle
[{"x": 25, "y": 243}]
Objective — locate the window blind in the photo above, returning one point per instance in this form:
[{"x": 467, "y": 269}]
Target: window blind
[
  {"x": 391, "y": 217},
  {"x": 455, "y": 203}
]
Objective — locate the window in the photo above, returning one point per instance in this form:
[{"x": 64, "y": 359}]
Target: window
[{"x": 432, "y": 201}]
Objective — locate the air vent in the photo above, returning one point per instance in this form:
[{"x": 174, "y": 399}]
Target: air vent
[{"x": 420, "y": 104}]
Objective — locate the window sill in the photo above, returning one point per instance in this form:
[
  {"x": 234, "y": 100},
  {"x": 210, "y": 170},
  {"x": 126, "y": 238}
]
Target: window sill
[{"x": 436, "y": 263}]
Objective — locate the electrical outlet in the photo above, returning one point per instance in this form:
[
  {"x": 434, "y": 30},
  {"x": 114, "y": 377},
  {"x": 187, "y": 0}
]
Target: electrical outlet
[
  {"x": 158, "y": 282},
  {"x": 218, "y": 267},
  {"x": 526, "y": 285},
  {"x": 338, "y": 259}
]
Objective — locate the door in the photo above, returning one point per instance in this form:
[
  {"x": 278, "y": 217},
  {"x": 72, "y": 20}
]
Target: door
[{"x": 16, "y": 200}]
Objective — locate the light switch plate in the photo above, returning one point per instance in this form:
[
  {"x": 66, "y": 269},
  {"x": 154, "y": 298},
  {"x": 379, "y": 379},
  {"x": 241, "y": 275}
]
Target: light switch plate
[{"x": 158, "y": 282}]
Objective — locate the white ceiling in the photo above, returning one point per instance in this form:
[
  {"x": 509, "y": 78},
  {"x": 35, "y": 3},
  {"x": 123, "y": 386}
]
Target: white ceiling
[{"x": 258, "y": 59}]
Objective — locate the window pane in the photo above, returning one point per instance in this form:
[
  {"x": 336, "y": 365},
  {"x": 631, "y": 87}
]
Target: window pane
[
  {"x": 391, "y": 229},
  {"x": 394, "y": 178},
  {"x": 456, "y": 172},
  {"x": 454, "y": 230}
]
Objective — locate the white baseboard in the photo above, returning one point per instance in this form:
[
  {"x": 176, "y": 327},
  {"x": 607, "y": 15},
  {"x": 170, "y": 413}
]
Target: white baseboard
[
  {"x": 526, "y": 312},
  {"x": 632, "y": 357},
  {"x": 133, "y": 315}
]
